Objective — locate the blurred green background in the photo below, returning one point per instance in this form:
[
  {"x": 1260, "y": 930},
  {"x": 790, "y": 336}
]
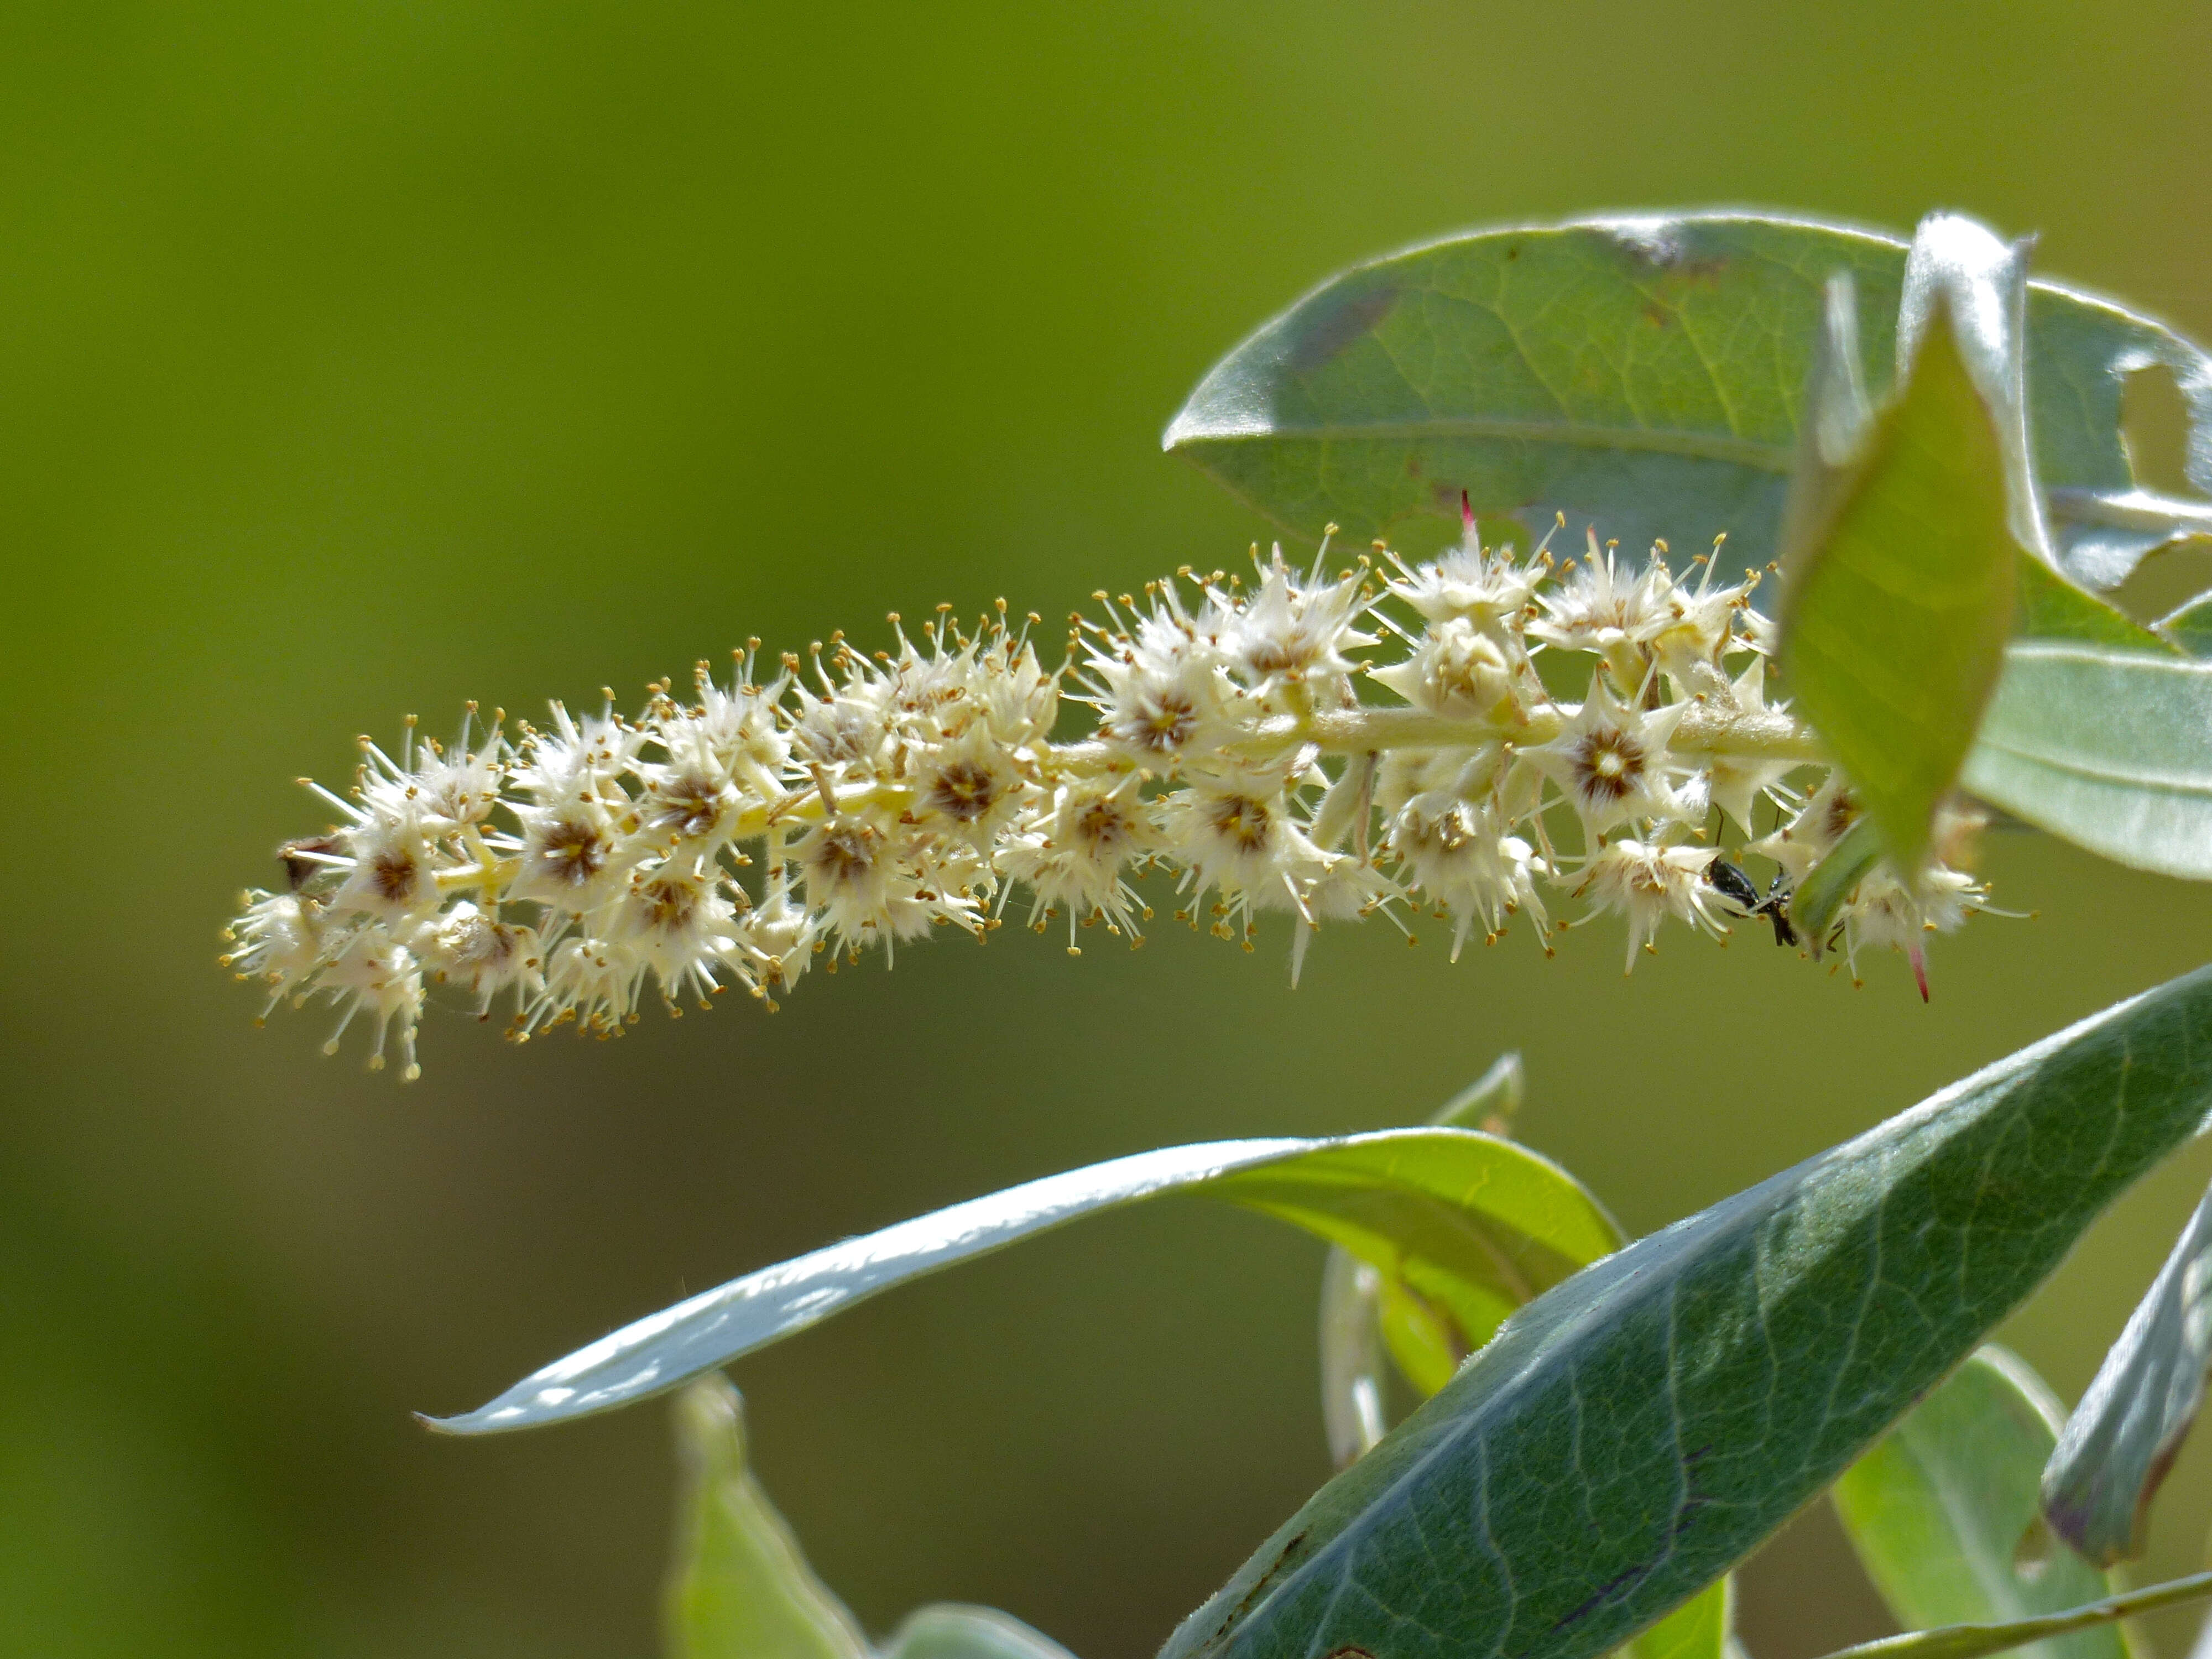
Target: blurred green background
[{"x": 363, "y": 358}]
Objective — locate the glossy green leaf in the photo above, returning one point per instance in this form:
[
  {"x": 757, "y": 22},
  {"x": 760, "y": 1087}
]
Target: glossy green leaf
[
  {"x": 1475, "y": 1223},
  {"x": 1937, "y": 1510},
  {"x": 1629, "y": 1436},
  {"x": 2111, "y": 749},
  {"x": 741, "y": 1588},
  {"x": 950, "y": 1630},
  {"x": 1973, "y": 1641},
  {"x": 2190, "y": 626},
  {"x": 2124, "y": 1437},
  {"x": 1644, "y": 372},
  {"x": 1900, "y": 541}
]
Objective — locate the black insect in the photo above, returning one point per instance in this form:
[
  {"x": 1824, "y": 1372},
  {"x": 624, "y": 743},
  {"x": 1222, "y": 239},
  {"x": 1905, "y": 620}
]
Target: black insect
[
  {"x": 1732, "y": 885},
  {"x": 1776, "y": 908}
]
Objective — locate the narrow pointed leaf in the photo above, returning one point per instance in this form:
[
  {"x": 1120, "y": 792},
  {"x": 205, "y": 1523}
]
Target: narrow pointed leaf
[
  {"x": 1973, "y": 1641},
  {"x": 1353, "y": 1385},
  {"x": 1632, "y": 1435},
  {"x": 1478, "y": 1223},
  {"x": 2124, "y": 1437},
  {"x": 741, "y": 1588},
  {"x": 1644, "y": 373},
  {"x": 1899, "y": 592},
  {"x": 949, "y": 1630},
  {"x": 2111, "y": 749},
  {"x": 1937, "y": 1510}
]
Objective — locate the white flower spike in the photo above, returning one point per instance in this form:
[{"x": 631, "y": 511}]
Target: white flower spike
[{"x": 848, "y": 801}]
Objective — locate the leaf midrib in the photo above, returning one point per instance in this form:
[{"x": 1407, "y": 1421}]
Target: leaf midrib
[{"x": 1698, "y": 445}]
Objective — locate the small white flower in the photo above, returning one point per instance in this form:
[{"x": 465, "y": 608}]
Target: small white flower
[
  {"x": 969, "y": 787},
  {"x": 1649, "y": 881},
  {"x": 1603, "y": 608},
  {"x": 1457, "y": 669},
  {"x": 467, "y": 947},
  {"x": 1692, "y": 628},
  {"x": 1294, "y": 629},
  {"x": 282, "y": 939},
  {"x": 395, "y": 869},
  {"x": 594, "y": 981},
  {"x": 376, "y": 974},
  {"x": 772, "y": 944},
  {"x": 680, "y": 923},
  {"x": 573, "y": 856},
  {"x": 1072, "y": 855},
  {"x": 1488, "y": 589},
  {"x": 1456, "y": 852},
  {"x": 1610, "y": 760},
  {"x": 574, "y": 759}
]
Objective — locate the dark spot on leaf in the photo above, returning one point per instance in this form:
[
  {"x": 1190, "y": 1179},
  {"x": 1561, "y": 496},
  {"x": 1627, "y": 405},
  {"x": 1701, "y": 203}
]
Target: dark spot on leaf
[
  {"x": 1330, "y": 325},
  {"x": 1412, "y": 467},
  {"x": 1285, "y": 1559},
  {"x": 1604, "y": 1593},
  {"x": 1657, "y": 315}
]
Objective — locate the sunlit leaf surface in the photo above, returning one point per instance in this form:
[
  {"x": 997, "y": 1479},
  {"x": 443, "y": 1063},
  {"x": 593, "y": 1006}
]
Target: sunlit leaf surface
[
  {"x": 1477, "y": 1222},
  {"x": 2111, "y": 749},
  {"x": 1644, "y": 372}
]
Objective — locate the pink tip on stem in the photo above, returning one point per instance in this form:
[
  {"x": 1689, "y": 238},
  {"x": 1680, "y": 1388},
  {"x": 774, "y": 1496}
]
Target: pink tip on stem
[
  {"x": 1466, "y": 511},
  {"x": 1919, "y": 959}
]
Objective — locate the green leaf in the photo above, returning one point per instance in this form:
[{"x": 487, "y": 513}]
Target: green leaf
[
  {"x": 1937, "y": 1510},
  {"x": 2046, "y": 606},
  {"x": 1477, "y": 1224},
  {"x": 1645, "y": 373},
  {"x": 2124, "y": 1437},
  {"x": 1973, "y": 1641},
  {"x": 1699, "y": 1629},
  {"x": 1813, "y": 906},
  {"x": 1899, "y": 553},
  {"x": 1366, "y": 1308},
  {"x": 1632, "y": 1435},
  {"x": 741, "y": 1588},
  {"x": 1371, "y": 1305},
  {"x": 2191, "y": 626},
  {"x": 950, "y": 1630},
  {"x": 2110, "y": 750}
]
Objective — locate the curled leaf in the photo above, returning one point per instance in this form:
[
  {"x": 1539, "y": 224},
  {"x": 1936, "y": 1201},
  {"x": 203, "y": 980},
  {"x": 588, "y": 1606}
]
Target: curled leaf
[{"x": 2124, "y": 1437}]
